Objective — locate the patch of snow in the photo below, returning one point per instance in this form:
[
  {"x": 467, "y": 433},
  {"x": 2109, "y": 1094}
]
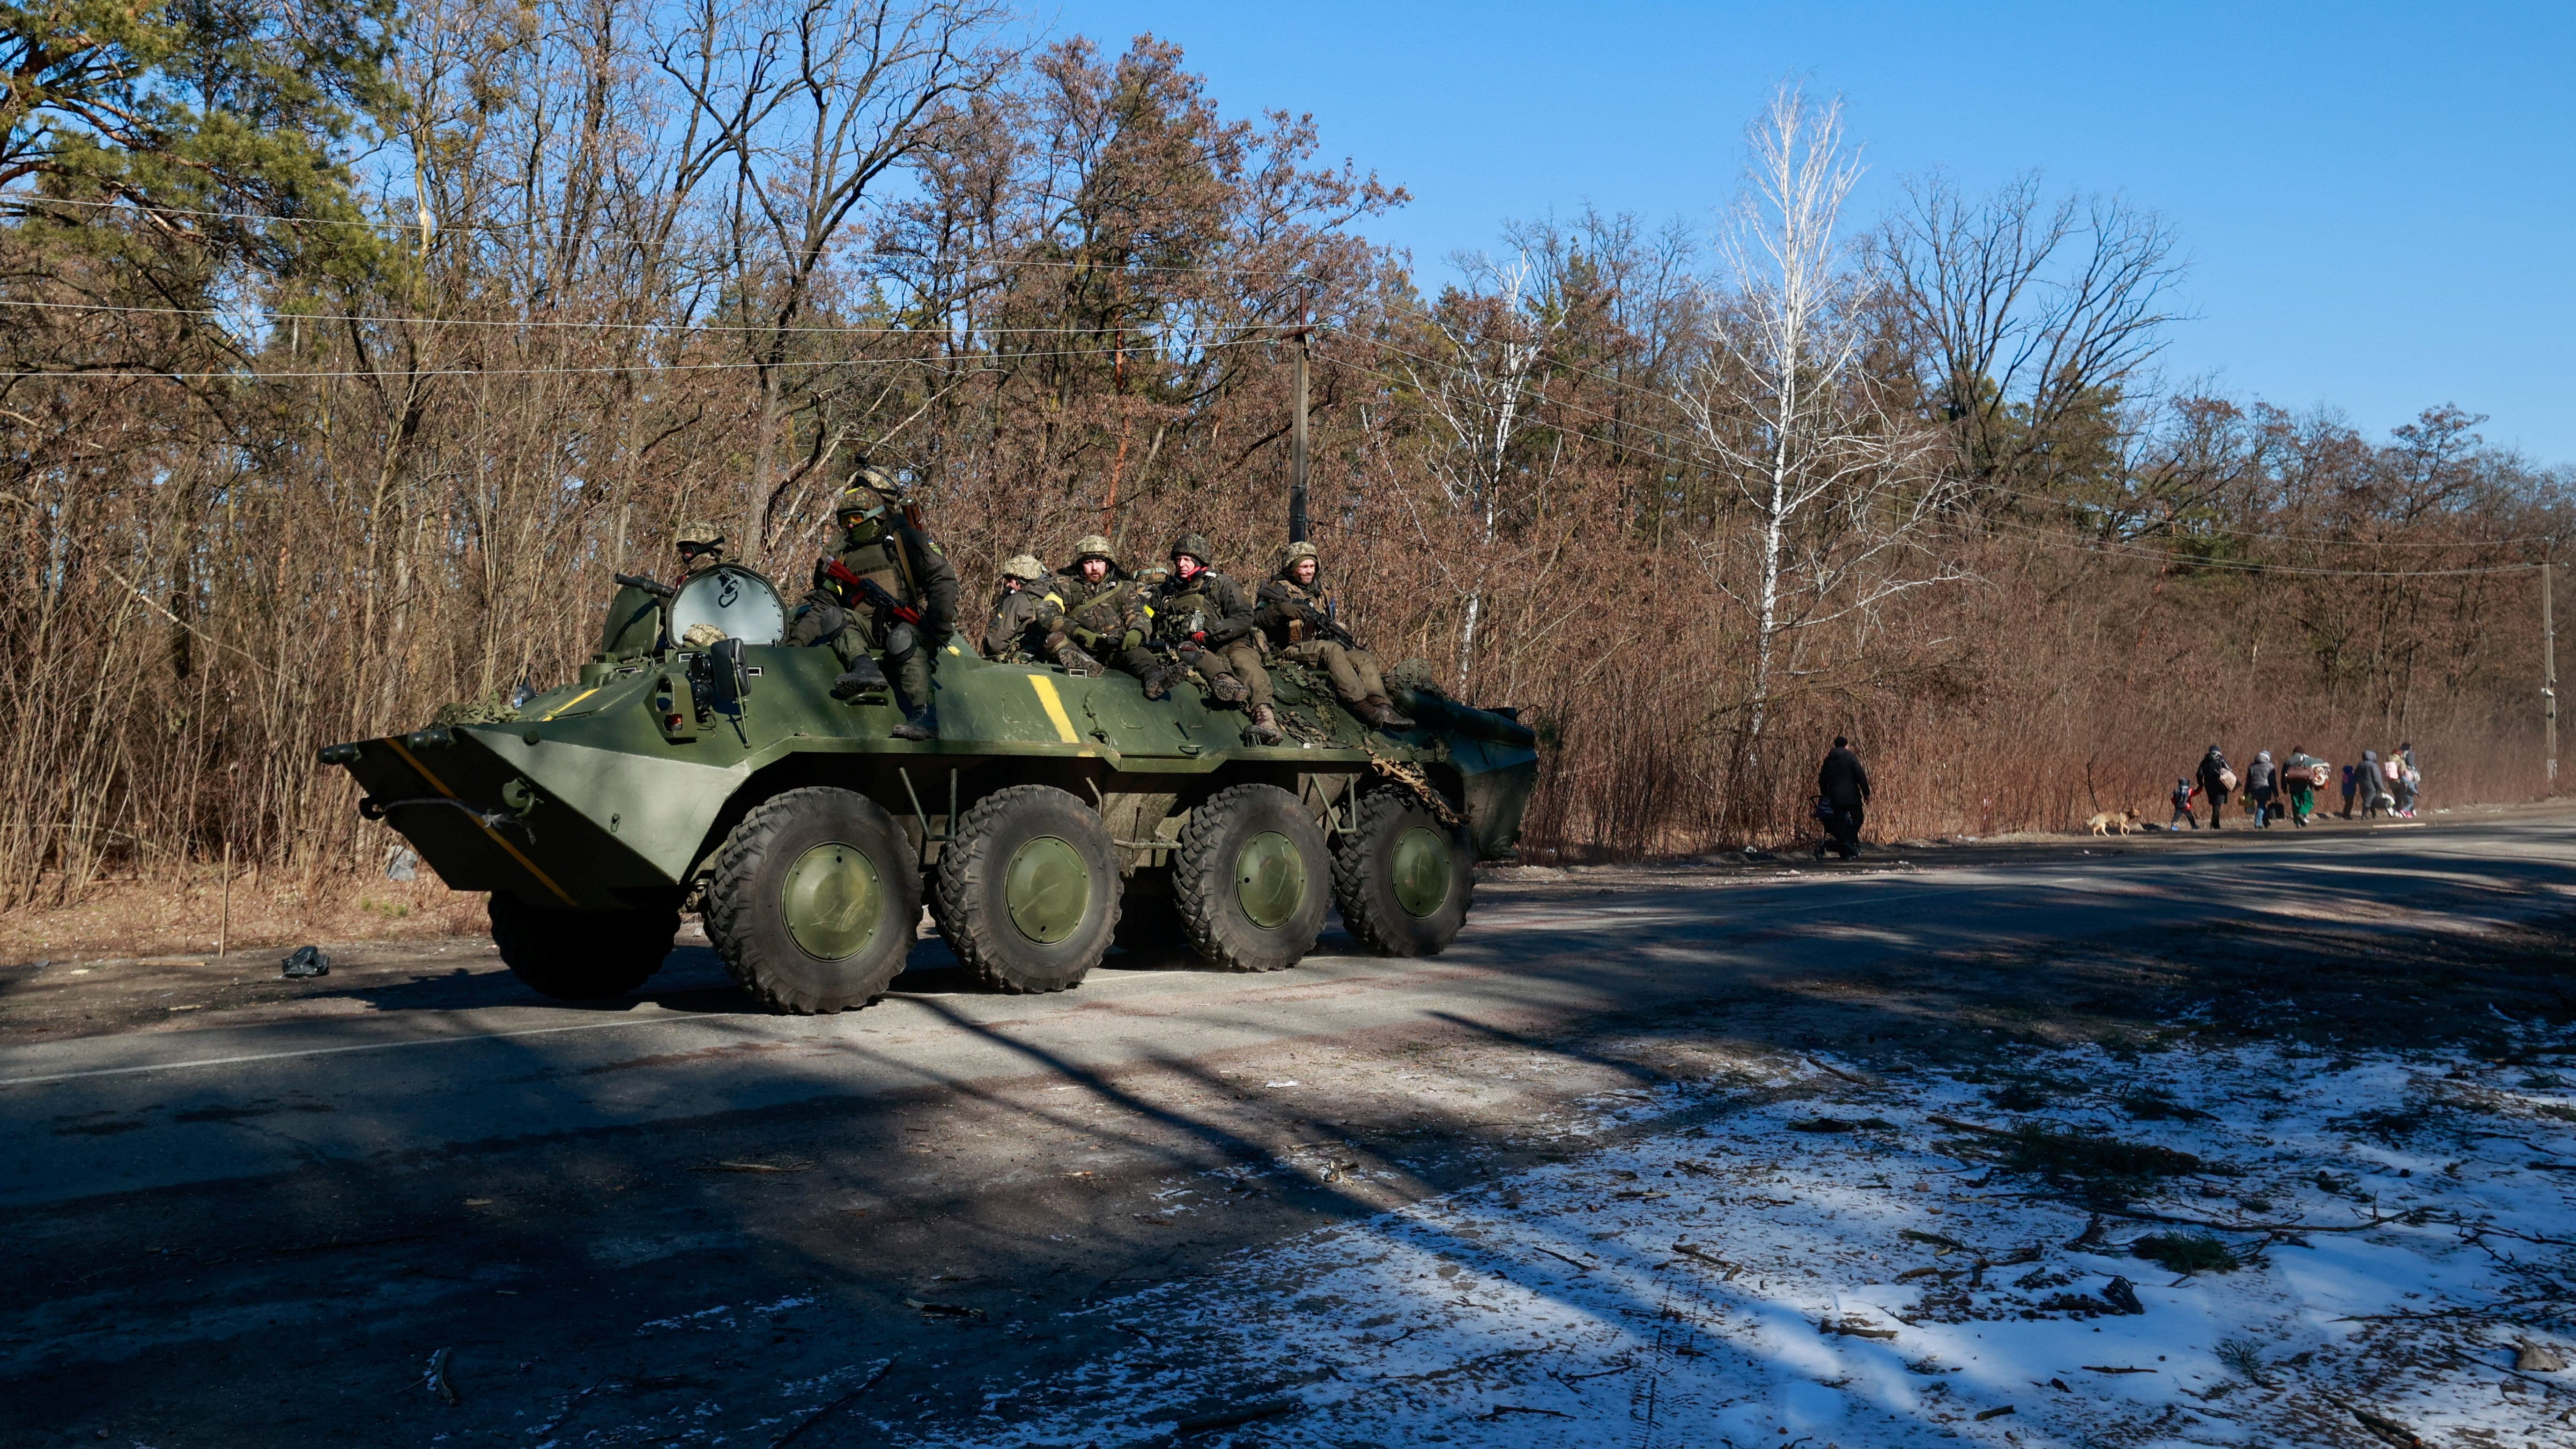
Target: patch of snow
[{"x": 1823, "y": 1264}]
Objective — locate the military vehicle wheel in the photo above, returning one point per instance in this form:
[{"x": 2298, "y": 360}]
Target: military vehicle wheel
[
  {"x": 1403, "y": 879},
  {"x": 1251, "y": 878},
  {"x": 1028, "y": 889},
  {"x": 580, "y": 955},
  {"x": 815, "y": 899}
]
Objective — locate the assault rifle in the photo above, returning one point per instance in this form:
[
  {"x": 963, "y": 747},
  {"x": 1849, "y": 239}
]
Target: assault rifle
[
  {"x": 1322, "y": 625},
  {"x": 870, "y": 592},
  {"x": 650, "y": 586}
]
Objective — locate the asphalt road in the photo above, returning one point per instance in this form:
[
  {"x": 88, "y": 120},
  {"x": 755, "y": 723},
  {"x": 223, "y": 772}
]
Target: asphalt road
[{"x": 242, "y": 1205}]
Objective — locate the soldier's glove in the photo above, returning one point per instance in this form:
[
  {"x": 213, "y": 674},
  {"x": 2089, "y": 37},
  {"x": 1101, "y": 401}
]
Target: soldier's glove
[
  {"x": 1088, "y": 638},
  {"x": 1135, "y": 638}
]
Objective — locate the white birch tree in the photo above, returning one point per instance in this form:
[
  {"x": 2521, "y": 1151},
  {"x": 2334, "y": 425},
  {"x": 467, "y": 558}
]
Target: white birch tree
[
  {"x": 1833, "y": 479},
  {"x": 1484, "y": 393}
]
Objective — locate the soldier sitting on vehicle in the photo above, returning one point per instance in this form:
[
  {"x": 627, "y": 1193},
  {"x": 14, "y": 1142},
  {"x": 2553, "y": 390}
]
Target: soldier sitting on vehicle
[
  {"x": 1028, "y": 625},
  {"x": 889, "y": 589},
  {"x": 1205, "y": 619},
  {"x": 1104, "y": 613},
  {"x": 1296, "y": 612}
]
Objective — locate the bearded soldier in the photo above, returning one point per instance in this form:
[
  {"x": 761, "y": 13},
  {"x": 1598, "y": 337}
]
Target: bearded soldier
[
  {"x": 1296, "y": 612},
  {"x": 889, "y": 589},
  {"x": 1104, "y": 613},
  {"x": 1205, "y": 618}
]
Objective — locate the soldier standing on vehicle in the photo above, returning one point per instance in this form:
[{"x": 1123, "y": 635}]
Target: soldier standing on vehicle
[
  {"x": 894, "y": 589},
  {"x": 1205, "y": 618},
  {"x": 1296, "y": 612},
  {"x": 1105, "y": 614}
]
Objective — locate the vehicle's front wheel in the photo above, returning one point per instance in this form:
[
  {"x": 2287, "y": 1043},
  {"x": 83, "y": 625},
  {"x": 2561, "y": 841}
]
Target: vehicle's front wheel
[
  {"x": 815, "y": 899},
  {"x": 580, "y": 955},
  {"x": 1250, "y": 879},
  {"x": 1028, "y": 889},
  {"x": 1403, "y": 879}
]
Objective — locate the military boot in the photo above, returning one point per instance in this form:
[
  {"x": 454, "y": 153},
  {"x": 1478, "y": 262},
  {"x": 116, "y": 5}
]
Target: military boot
[
  {"x": 1158, "y": 682},
  {"x": 1228, "y": 688},
  {"x": 863, "y": 677},
  {"x": 1075, "y": 661},
  {"x": 1264, "y": 729},
  {"x": 1384, "y": 715},
  {"x": 916, "y": 725}
]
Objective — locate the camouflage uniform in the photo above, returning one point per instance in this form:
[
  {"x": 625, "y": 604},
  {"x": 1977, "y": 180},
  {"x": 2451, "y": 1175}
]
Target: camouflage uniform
[
  {"x": 1206, "y": 620},
  {"x": 1295, "y": 616},
  {"x": 880, "y": 544},
  {"x": 1021, "y": 615},
  {"x": 1108, "y": 618}
]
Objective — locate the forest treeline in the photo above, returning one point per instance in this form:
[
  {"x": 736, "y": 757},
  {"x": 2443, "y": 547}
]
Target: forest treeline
[{"x": 350, "y": 349}]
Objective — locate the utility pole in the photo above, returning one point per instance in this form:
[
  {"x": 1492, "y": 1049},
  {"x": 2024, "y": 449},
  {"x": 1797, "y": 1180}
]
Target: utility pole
[
  {"x": 1297, "y": 452},
  {"x": 2549, "y": 672}
]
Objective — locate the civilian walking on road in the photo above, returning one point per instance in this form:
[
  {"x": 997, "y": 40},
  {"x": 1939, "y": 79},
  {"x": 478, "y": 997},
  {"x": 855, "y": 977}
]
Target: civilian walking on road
[
  {"x": 2374, "y": 785},
  {"x": 2182, "y": 816},
  {"x": 2351, "y": 783},
  {"x": 2305, "y": 775},
  {"x": 2401, "y": 766},
  {"x": 1845, "y": 787},
  {"x": 2263, "y": 786},
  {"x": 2217, "y": 782}
]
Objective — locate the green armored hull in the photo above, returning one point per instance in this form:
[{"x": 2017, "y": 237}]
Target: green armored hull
[{"x": 1054, "y": 816}]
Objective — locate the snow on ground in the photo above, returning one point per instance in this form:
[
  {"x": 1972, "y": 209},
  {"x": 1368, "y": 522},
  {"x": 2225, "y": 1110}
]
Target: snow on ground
[{"x": 1790, "y": 1258}]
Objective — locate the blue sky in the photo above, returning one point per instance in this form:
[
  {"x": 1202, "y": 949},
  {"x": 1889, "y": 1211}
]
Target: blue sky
[{"x": 2379, "y": 201}]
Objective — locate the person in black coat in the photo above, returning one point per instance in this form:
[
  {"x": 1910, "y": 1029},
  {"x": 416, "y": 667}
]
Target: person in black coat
[
  {"x": 2214, "y": 785},
  {"x": 1845, "y": 788}
]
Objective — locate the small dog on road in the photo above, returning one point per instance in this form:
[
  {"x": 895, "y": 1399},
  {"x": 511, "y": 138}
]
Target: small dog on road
[{"x": 2123, "y": 821}]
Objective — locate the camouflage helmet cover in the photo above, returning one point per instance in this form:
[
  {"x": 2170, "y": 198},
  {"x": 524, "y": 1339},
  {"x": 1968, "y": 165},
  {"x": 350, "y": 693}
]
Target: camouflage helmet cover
[
  {"x": 870, "y": 488},
  {"x": 1196, "y": 546},
  {"x": 1092, "y": 545},
  {"x": 1024, "y": 567},
  {"x": 700, "y": 531},
  {"x": 1300, "y": 549}
]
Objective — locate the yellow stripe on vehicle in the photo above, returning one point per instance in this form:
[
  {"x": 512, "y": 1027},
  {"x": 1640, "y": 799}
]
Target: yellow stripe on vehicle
[
  {"x": 441, "y": 786},
  {"x": 1053, "y": 703},
  {"x": 569, "y": 703}
]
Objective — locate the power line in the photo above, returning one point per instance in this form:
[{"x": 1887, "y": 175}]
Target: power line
[{"x": 387, "y": 372}]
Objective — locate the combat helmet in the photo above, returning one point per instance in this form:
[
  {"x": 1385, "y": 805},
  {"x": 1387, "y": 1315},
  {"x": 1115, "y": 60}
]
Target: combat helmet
[
  {"x": 1024, "y": 567},
  {"x": 1196, "y": 546},
  {"x": 704, "y": 532},
  {"x": 1093, "y": 545},
  {"x": 1300, "y": 549},
  {"x": 869, "y": 492}
]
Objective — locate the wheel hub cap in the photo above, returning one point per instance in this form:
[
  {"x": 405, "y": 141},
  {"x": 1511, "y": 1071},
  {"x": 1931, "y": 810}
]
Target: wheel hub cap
[
  {"x": 1047, "y": 890},
  {"x": 1421, "y": 861},
  {"x": 1270, "y": 878},
  {"x": 832, "y": 900}
]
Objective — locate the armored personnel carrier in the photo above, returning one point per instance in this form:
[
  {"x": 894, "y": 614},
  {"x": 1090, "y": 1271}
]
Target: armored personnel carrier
[{"x": 1054, "y": 816}]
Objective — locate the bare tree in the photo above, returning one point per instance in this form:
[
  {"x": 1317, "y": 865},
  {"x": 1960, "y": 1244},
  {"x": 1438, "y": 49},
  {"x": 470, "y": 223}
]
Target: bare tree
[
  {"x": 2029, "y": 321},
  {"x": 1841, "y": 505},
  {"x": 1483, "y": 393},
  {"x": 815, "y": 101}
]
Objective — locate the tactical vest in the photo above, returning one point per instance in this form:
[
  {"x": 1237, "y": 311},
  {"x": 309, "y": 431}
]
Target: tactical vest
[
  {"x": 1100, "y": 610},
  {"x": 1312, "y": 596},
  {"x": 882, "y": 559},
  {"x": 1194, "y": 607}
]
